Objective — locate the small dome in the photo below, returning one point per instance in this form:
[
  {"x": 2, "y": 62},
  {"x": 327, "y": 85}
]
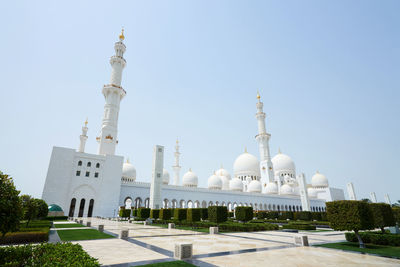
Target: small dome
[
  {"x": 319, "y": 180},
  {"x": 128, "y": 171},
  {"x": 223, "y": 172},
  {"x": 255, "y": 187},
  {"x": 54, "y": 207},
  {"x": 282, "y": 163},
  {"x": 225, "y": 182},
  {"x": 312, "y": 192},
  {"x": 236, "y": 185},
  {"x": 286, "y": 190},
  {"x": 271, "y": 188},
  {"x": 246, "y": 165},
  {"x": 165, "y": 179},
  {"x": 215, "y": 182},
  {"x": 190, "y": 179}
]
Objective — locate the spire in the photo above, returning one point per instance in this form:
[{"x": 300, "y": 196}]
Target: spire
[
  {"x": 127, "y": 160},
  {"x": 245, "y": 149},
  {"x": 258, "y": 96},
  {"x": 279, "y": 151},
  {"x": 83, "y": 137},
  {"x": 86, "y": 122},
  {"x": 122, "y": 36}
]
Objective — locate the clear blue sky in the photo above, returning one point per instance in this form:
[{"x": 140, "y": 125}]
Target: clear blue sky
[{"x": 328, "y": 73}]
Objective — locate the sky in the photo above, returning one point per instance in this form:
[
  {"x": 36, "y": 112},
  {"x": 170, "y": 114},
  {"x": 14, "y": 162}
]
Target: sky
[{"x": 328, "y": 73}]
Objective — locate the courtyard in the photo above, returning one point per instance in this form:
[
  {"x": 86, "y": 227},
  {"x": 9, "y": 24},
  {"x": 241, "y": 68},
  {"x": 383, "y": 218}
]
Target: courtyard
[{"x": 151, "y": 244}]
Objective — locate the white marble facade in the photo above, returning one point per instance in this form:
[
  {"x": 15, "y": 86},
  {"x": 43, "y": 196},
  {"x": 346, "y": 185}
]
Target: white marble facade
[{"x": 85, "y": 184}]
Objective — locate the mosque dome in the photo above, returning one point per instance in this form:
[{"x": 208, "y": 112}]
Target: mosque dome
[
  {"x": 190, "y": 179},
  {"x": 246, "y": 165},
  {"x": 223, "y": 172},
  {"x": 54, "y": 207},
  {"x": 286, "y": 190},
  {"x": 255, "y": 187},
  {"x": 215, "y": 182},
  {"x": 271, "y": 188},
  {"x": 283, "y": 165},
  {"x": 236, "y": 185},
  {"x": 128, "y": 171},
  {"x": 312, "y": 192},
  {"x": 165, "y": 179},
  {"x": 225, "y": 182},
  {"x": 319, "y": 180}
]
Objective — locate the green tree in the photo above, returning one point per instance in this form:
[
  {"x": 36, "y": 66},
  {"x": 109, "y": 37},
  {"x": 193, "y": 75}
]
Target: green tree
[
  {"x": 383, "y": 215},
  {"x": 43, "y": 208},
  {"x": 30, "y": 208},
  {"x": 10, "y": 205},
  {"x": 350, "y": 215}
]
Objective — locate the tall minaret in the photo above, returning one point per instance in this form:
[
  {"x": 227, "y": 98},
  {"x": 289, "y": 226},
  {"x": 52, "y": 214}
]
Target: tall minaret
[
  {"x": 176, "y": 167},
  {"x": 83, "y": 137},
  {"x": 113, "y": 94},
  {"x": 266, "y": 168}
]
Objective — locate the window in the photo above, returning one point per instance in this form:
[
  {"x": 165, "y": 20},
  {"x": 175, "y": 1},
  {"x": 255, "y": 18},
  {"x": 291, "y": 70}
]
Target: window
[
  {"x": 96, "y": 175},
  {"x": 89, "y": 164},
  {"x": 78, "y": 173},
  {"x": 87, "y": 174},
  {"x": 97, "y": 165},
  {"x": 80, "y": 163}
]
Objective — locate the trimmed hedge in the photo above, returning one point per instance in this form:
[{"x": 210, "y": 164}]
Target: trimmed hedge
[
  {"x": 26, "y": 236},
  {"x": 383, "y": 215},
  {"x": 180, "y": 214},
  {"x": 231, "y": 214},
  {"x": 284, "y": 215},
  {"x": 165, "y": 214},
  {"x": 193, "y": 215},
  {"x": 143, "y": 213},
  {"x": 218, "y": 214},
  {"x": 134, "y": 212},
  {"x": 396, "y": 213},
  {"x": 272, "y": 215},
  {"x": 204, "y": 213},
  {"x": 155, "y": 213},
  {"x": 125, "y": 213},
  {"x": 56, "y": 218},
  {"x": 303, "y": 215},
  {"x": 299, "y": 226},
  {"x": 319, "y": 216},
  {"x": 244, "y": 214},
  {"x": 45, "y": 254},
  {"x": 375, "y": 238}
]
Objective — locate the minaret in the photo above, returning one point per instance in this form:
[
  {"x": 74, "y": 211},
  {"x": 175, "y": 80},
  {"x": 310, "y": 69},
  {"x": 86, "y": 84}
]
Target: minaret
[
  {"x": 266, "y": 168},
  {"x": 83, "y": 137},
  {"x": 113, "y": 94},
  {"x": 176, "y": 167}
]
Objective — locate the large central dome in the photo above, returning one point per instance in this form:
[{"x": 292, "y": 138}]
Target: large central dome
[
  {"x": 283, "y": 165},
  {"x": 246, "y": 165}
]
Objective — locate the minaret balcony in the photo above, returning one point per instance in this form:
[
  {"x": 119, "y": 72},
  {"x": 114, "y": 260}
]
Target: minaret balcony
[{"x": 113, "y": 88}]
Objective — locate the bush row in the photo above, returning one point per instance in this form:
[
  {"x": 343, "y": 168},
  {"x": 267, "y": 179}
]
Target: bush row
[
  {"x": 26, "y": 236},
  {"x": 292, "y": 215},
  {"x": 375, "y": 238},
  {"x": 45, "y": 254}
]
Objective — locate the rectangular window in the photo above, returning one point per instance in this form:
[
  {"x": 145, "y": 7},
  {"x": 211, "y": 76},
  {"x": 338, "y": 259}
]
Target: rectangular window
[
  {"x": 96, "y": 174},
  {"x": 78, "y": 173},
  {"x": 87, "y": 174}
]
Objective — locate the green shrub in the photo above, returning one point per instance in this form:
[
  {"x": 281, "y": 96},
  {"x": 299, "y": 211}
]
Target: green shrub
[
  {"x": 134, "y": 212},
  {"x": 155, "y": 213},
  {"x": 165, "y": 214},
  {"x": 284, "y": 215},
  {"x": 45, "y": 254},
  {"x": 56, "y": 218},
  {"x": 396, "y": 214},
  {"x": 125, "y": 213},
  {"x": 143, "y": 213},
  {"x": 193, "y": 215},
  {"x": 350, "y": 215},
  {"x": 244, "y": 214},
  {"x": 303, "y": 215},
  {"x": 383, "y": 215},
  {"x": 272, "y": 215},
  {"x": 204, "y": 213},
  {"x": 180, "y": 214},
  {"x": 261, "y": 215},
  {"x": 26, "y": 235},
  {"x": 231, "y": 214},
  {"x": 217, "y": 214},
  {"x": 375, "y": 238},
  {"x": 317, "y": 216},
  {"x": 299, "y": 226}
]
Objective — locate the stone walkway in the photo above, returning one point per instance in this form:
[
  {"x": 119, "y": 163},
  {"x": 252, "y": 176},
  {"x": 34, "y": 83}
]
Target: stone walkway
[{"x": 150, "y": 244}]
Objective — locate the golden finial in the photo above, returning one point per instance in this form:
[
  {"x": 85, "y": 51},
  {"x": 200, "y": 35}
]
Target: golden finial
[
  {"x": 86, "y": 122},
  {"x": 121, "y": 36},
  {"x": 258, "y": 95},
  {"x": 177, "y": 141},
  {"x": 127, "y": 160}
]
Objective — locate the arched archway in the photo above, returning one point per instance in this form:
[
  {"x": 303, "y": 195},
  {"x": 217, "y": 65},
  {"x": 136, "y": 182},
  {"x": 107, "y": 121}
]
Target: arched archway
[
  {"x": 182, "y": 204},
  {"x": 210, "y": 203},
  {"x": 165, "y": 204},
  {"x": 138, "y": 202},
  {"x": 147, "y": 203},
  {"x": 197, "y": 204},
  {"x": 174, "y": 203},
  {"x": 204, "y": 204},
  {"x": 81, "y": 207},
  {"x": 190, "y": 204},
  {"x": 128, "y": 202},
  {"x": 72, "y": 207},
  {"x": 229, "y": 206},
  {"x": 90, "y": 211}
]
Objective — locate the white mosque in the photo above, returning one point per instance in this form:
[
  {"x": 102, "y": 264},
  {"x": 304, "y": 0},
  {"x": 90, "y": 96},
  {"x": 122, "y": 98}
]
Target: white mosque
[{"x": 85, "y": 184}]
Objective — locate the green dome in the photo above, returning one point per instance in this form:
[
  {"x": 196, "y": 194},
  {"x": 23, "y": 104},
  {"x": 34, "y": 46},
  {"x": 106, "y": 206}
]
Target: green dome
[{"x": 54, "y": 207}]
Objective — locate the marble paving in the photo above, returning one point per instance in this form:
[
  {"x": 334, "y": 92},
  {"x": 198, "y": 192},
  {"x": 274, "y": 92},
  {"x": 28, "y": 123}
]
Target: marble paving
[{"x": 149, "y": 244}]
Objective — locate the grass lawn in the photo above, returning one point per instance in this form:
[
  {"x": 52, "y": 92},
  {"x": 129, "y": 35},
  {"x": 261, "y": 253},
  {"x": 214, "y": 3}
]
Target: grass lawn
[
  {"x": 202, "y": 230},
  {"x": 68, "y": 225},
  {"x": 372, "y": 249},
  {"x": 169, "y": 264},
  {"x": 81, "y": 234}
]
